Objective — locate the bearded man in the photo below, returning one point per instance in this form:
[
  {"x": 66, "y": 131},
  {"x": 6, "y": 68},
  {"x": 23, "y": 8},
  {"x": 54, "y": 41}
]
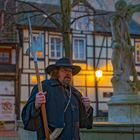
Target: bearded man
[{"x": 66, "y": 107}]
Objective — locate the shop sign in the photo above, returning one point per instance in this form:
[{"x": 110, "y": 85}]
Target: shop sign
[{"x": 7, "y": 108}]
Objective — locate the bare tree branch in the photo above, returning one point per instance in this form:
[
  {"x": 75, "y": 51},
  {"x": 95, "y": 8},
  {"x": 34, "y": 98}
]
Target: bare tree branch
[
  {"x": 47, "y": 17},
  {"x": 90, "y": 15},
  {"x": 52, "y": 19}
]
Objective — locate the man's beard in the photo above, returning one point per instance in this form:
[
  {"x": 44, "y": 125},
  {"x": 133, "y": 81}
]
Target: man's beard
[{"x": 66, "y": 82}]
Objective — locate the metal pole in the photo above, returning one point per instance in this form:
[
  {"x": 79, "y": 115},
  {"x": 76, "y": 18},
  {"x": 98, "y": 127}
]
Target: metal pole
[{"x": 96, "y": 97}]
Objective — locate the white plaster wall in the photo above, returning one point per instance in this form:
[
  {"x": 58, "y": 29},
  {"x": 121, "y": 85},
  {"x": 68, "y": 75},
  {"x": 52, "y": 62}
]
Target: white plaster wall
[
  {"x": 24, "y": 79},
  {"x": 24, "y": 93},
  {"x": 89, "y": 52},
  {"x": 26, "y": 62}
]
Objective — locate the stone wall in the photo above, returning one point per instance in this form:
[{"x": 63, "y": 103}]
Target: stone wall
[{"x": 100, "y": 131}]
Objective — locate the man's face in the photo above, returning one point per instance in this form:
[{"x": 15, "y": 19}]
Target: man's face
[{"x": 65, "y": 75}]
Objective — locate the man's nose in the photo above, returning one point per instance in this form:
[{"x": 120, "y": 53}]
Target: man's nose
[{"x": 69, "y": 73}]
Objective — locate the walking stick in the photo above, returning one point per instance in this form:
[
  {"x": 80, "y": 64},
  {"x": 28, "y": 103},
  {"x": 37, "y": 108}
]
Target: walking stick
[
  {"x": 43, "y": 108},
  {"x": 33, "y": 49}
]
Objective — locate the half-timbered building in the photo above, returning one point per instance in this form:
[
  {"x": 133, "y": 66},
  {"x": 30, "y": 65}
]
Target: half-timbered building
[{"x": 91, "y": 49}]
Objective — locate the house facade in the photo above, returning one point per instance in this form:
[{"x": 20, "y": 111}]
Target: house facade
[
  {"x": 82, "y": 43},
  {"x": 9, "y": 72},
  {"x": 91, "y": 49}
]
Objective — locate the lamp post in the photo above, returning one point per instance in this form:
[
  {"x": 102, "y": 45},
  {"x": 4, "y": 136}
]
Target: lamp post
[{"x": 98, "y": 75}]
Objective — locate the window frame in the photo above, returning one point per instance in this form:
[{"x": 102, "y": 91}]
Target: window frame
[
  {"x": 9, "y": 51},
  {"x": 84, "y": 49},
  {"x": 81, "y": 21},
  {"x": 35, "y": 34},
  {"x": 55, "y": 50}
]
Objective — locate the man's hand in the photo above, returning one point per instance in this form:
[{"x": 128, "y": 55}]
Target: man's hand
[
  {"x": 39, "y": 100},
  {"x": 86, "y": 102}
]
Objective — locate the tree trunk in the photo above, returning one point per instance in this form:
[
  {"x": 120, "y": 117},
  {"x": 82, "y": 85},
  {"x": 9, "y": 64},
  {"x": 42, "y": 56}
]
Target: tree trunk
[{"x": 65, "y": 9}]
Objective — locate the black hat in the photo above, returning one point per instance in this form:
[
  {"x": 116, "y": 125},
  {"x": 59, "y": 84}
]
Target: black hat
[{"x": 64, "y": 62}]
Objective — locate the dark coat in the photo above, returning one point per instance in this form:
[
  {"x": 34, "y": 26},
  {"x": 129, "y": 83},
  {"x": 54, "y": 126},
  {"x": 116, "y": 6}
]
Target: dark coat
[{"x": 74, "y": 118}]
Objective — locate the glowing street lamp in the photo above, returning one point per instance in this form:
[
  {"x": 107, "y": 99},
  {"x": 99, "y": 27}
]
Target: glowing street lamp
[{"x": 98, "y": 75}]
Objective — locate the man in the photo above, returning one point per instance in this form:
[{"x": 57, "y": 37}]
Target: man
[{"x": 66, "y": 108}]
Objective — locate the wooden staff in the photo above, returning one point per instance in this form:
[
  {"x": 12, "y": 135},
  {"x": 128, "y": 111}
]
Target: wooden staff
[
  {"x": 43, "y": 108},
  {"x": 33, "y": 51}
]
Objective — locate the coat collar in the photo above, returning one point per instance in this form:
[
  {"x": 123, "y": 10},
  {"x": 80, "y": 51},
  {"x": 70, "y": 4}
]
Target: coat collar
[{"x": 54, "y": 82}]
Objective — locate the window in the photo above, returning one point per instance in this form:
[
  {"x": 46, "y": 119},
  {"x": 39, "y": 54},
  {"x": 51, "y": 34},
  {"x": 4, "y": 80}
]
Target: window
[
  {"x": 38, "y": 43},
  {"x": 55, "y": 50},
  {"x": 34, "y": 79},
  {"x": 79, "y": 50},
  {"x": 80, "y": 19},
  {"x": 137, "y": 51},
  {"x": 5, "y": 56}
]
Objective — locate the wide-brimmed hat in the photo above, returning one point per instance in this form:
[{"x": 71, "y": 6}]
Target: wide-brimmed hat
[{"x": 64, "y": 62}]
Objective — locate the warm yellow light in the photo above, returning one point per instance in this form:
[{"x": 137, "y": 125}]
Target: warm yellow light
[
  {"x": 39, "y": 53},
  {"x": 99, "y": 73},
  {"x": 34, "y": 79}
]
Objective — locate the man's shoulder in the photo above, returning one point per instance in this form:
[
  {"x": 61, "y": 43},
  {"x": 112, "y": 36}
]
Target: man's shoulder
[
  {"x": 50, "y": 82},
  {"x": 45, "y": 81}
]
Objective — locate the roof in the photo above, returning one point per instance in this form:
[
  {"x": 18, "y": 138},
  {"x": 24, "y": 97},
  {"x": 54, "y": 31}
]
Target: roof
[
  {"x": 134, "y": 27},
  {"x": 103, "y": 25},
  {"x": 9, "y": 33},
  {"x": 38, "y": 19},
  {"x": 38, "y": 14}
]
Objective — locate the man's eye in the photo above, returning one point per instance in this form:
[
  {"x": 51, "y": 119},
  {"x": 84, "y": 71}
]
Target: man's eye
[{"x": 68, "y": 70}]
